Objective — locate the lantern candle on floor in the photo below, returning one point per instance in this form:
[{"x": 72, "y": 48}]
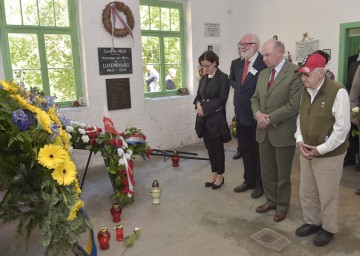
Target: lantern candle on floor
[
  {"x": 119, "y": 233},
  {"x": 155, "y": 192},
  {"x": 116, "y": 212},
  {"x": 104, "y": 238}
]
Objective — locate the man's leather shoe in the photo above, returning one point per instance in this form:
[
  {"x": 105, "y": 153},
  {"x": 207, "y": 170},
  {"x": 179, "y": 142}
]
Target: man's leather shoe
[
  {"x": 357, "y": 192},
  {"x": 323, "y": 237},
  {"x": 279, "y": 216},
  {"x": 237, "y": 155},
  {"x": 265, "y": 208},
  {"x": 242, "y": 188},
  {"x": 258, "y": 192},
  {"x": 307, "y": 230}
]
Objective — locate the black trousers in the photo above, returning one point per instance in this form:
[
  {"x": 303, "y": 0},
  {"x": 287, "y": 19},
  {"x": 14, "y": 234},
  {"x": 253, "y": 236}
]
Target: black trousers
[
  {"x": 238, "y": 149},
  {"x": 215, "y": 148},
  {"x": 353, "y": 148},
  {"x": 250, "y": 154}
]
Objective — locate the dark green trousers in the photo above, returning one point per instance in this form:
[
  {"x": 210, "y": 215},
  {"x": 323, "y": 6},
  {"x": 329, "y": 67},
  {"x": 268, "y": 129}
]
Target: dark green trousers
[{"x": 276, "y": 165}]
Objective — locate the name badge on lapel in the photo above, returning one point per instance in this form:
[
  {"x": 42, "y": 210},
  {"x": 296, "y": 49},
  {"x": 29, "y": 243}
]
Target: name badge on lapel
[{"x": 253, "y": 71}]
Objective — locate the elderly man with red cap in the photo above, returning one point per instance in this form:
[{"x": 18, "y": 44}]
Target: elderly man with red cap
[{"x": 323, "y": 125}]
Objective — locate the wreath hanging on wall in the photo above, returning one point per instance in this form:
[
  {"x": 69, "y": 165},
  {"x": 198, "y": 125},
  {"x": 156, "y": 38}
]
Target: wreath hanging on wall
[{"x": 108, "y": 23}]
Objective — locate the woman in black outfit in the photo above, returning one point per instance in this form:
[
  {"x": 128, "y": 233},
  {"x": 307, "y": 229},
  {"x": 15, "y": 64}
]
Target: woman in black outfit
[{"x": 211, "y": 124}]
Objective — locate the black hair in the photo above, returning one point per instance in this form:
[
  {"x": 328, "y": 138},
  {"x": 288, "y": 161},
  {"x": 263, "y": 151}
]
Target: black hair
[{"x": 210, "y": 56}]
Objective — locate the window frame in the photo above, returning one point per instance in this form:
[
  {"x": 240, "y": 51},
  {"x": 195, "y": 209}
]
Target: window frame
[
  {"x": 164, "y": 34},
  {"x": 40, "y": 31}
]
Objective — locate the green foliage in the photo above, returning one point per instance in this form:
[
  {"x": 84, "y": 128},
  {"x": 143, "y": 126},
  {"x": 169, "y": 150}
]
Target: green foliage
[{"x": 130, "y": 240}]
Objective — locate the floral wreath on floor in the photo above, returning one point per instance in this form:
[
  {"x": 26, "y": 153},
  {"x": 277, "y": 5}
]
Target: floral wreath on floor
[
  {"x": 36, "y": 170},
  {"x": 118, "y": 151}
]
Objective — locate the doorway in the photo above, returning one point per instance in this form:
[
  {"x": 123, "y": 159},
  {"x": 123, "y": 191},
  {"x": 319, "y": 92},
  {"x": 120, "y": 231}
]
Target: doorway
[{"x": 348, "y": 46}]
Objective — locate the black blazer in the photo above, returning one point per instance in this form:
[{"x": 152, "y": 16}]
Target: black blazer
[
  {"x": 243, "y": 93},
  {"x": 213, "y": 94},
  {"x": 350, "y": 75}
]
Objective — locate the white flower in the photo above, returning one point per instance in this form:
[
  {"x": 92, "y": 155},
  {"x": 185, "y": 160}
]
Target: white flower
[
  {"x": 355, "y": 110},
  {"x": 70, "y": 136},
  {"x": 125, "y": 145},
  {"x": 120, "y": 151},
  {"x": 69, "y": 128},
  {"x": 129, "y": 151},
  {"x": 136, "y": 229},
  {"x": 81, "y": 131},
  {"x": 128, "y": 157},
  {"x": 121, "y": 161},
  {"x": 83, "y": 125},
  {"x": 85, "y": 138}
]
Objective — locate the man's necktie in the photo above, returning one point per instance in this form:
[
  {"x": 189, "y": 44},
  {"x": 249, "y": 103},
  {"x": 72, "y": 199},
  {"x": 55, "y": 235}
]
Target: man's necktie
[
  {"x": 245, "y": 71},
  {"x": 272, "y": 77}
]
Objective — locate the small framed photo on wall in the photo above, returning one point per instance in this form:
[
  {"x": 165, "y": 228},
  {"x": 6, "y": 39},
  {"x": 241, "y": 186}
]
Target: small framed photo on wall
[
  {"x": 213, "y": 47},
  {"x": 328, "y": 51}
]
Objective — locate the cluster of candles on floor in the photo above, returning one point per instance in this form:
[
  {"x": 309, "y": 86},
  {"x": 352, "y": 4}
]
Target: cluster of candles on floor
[{"x": 104, "y": 234}]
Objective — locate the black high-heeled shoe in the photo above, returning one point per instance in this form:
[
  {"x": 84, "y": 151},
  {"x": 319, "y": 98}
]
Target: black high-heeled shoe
[
  {"x": 214, "y": 186},
  {"x": 209, "y": 184}
]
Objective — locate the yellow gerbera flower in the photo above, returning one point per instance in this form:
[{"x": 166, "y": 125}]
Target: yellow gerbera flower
[
  {"x": 54, "y": 117},
  {"x": 51, "y": 156},
  {"x": 65, "y": 174},
  {"x": 9, "y": 86},
  {"x": 42, "y": 100},
  {"x": 76, "y": 188},
  {"x": 44, "y": 120},
  {"x": 23, "y": 102},
  {"x": 74, "y": 210}
]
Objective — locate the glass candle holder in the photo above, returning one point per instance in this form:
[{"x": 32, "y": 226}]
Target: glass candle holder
[
  {"x": 116, "y": 212},
  {"x": 104, "y": 238},
  {"x": 119, "y": 233}
]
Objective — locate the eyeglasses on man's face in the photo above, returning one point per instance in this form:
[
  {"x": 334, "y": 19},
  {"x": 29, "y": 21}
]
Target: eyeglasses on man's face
[{"x": 245, "y": 44}]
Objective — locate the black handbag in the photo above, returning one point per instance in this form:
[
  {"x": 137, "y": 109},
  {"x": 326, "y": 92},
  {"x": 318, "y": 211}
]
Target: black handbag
[
  {"x": 227, "y": 135},
  {"x": 199, "y": 124}
]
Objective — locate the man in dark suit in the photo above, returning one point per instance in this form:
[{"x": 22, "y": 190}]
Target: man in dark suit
[
  {"x": 353, "y": 149},
  {"x": 232, "y": 81},
  {"x": 275, "y": 106},
  {"x": 244, "y": 73}
]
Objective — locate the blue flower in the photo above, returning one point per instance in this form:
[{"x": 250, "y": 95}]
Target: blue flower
[
  {"x": 64, "y": 120},
  {"x": 55, "y": 128},
  {"x": 21, "y": 120}
]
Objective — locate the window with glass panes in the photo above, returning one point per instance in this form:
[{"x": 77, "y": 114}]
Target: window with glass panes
[
  {"x": 163, "y": 51},
  {"x": 40, "y": 46}
]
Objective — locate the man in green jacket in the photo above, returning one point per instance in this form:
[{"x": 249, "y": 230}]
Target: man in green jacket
[{"x": 275, "y": 106}]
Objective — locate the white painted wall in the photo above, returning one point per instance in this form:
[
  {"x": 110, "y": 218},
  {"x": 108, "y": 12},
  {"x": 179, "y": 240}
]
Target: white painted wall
[{"x": 169, "y": 122}]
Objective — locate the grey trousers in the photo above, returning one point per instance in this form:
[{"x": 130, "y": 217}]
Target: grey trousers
[{"x": 319, "y": 190}]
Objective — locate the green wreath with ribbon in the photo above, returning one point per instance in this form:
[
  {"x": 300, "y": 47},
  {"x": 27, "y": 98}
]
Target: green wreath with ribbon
[{"x": 111, "y": 13}]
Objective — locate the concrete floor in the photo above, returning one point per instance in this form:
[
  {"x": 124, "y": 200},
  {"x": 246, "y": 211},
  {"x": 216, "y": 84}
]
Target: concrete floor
[{"x": 194, "y": 220}]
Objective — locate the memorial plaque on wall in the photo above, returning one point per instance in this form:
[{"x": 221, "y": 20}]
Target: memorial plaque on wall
[
  {"x": 304, "y": 48},
  {"x": 117, "y": 62},
  {"x": 118, "y": 93}
]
